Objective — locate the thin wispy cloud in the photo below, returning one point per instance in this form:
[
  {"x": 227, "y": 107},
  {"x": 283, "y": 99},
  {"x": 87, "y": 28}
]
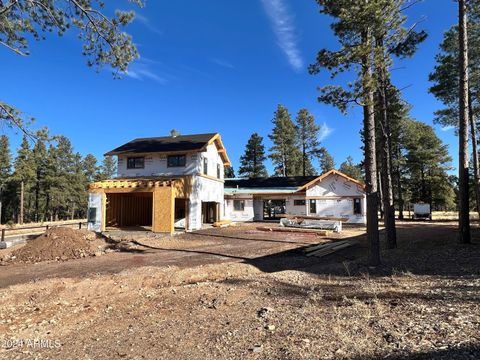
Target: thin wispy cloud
[
  {"x": 143, "y": 71},
  {"x": 223, "y": 63},
  {"x": 447, "y": 128},
  {"x": 324, "y": 132},
  {"x": 284, "y": 28},
  {"x": 148, "y": 24}
]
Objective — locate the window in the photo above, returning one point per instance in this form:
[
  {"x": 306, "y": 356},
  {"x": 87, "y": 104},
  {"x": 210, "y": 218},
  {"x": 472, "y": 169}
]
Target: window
[
  {"x": 219, "y": 172},
  {"x": 357, "y": 206},
  {"x": 299, "y": 202},
  {"x": 205, "y": 166},
  {"x": 176, "y": 160},
  {"x": 238, "y": 205},
  {"x": 313, "y": 206},
  {"x": 135, "y": 163}
]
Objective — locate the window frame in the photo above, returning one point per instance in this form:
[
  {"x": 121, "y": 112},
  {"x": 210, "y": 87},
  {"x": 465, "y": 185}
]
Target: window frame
[
  {"x": 355, "y": 202},
  {"x": 205, "y": 166},
  {"x": 135, "y": 159},
  {"x": 299, "y": 202},
  {"x": 178, "y": 163},
  {"x": 238, "y": 201},
  {"x": 314, "y": 203}
]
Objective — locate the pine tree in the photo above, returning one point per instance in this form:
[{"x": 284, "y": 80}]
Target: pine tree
[
  {"x": 284, "y": 153},
  {"x": 252, "y": 161},
  {"x": 326, "y": 160},
  {"x": 90, "y": 168},
  {"x": 352, "y": 25},
  {"x": 349, "y": 168},
  {"x": 426, "y": 165},
  {"x": 308, "y": 138},
  {"x": 104, "y": 41},
  {"x": 108, "y": 169},
  {"x": 228, "y": 172},
  {"x": 40, "y": 164},
  {"x": 463, "y": 182},
  {"x": 5, "y": 171},
  {"x": 22, "y": 177}
]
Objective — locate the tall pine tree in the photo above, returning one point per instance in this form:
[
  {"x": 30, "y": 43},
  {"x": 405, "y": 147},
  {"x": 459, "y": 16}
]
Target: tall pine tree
[
  {"x": 284, "y": 153},
  {"x": 326, "y": 160},
  {"x": 308, "y": 139},
  {"x": 252, "y": 161},
  {"x": 5, "y": 171},
  {"x": 108, "y": 169}
]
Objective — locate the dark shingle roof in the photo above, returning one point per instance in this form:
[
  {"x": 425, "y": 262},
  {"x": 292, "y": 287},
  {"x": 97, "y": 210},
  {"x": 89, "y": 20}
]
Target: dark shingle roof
[
  {"x": 270, "y": 182},
  {"x": 164, "y": 144}
]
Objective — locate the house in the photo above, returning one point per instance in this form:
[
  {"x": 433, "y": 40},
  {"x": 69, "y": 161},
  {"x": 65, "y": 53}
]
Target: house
[
  {"x": 332, "y": 194},
  {"x": 162, "y": 183}
]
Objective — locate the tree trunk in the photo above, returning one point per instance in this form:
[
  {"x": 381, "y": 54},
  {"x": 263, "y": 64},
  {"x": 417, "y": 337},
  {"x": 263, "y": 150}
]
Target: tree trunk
[
  {"x": 380, "y": 194},
  {"x": 370, "y": 156},
  {"x": 385, "y": 157},
  {"x": 399, "y": 189},
  {"x": 473, "y": 136},
  {"x": 20, "y": 218},
  {"x": 464, "y": 216}
]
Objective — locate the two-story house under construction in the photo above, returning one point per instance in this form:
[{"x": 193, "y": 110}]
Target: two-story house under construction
[{"x": 162, "y": 183}]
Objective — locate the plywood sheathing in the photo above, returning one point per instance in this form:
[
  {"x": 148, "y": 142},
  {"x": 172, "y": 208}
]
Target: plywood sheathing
[{"x": 163, "y": 209}]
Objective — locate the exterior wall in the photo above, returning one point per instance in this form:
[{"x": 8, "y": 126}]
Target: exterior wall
[
  {"x": 335, "y": 185},
  {"x": 293, "y": 209},
  {"x": 95, "y": 201},
  {"x": 334, "y": 198},
  {"x": 156, "y": 164},
  {"x": 204, "y": 190},
  {"x": 247, "y": 215}
]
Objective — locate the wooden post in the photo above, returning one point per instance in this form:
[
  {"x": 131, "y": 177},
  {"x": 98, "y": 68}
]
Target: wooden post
[
  {"x": 3, "y": 235},
  {"x": 79, "y": 226}
]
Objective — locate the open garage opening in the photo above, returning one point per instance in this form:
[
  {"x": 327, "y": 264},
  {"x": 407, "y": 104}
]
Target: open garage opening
[{"x": 130, "y": 210}]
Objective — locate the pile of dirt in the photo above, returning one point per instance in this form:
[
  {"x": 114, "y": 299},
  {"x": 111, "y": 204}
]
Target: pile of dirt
[{"x": 57, "y": 244}]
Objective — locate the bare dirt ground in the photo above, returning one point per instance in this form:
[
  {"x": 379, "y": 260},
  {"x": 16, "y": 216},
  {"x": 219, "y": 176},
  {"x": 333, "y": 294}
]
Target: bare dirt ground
[{"x": 238, "y": 293}]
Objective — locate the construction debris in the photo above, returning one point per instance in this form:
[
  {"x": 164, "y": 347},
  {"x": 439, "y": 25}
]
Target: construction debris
[
  {"x": 331, "y": 218},
  {"x": 295, "y": 230},
  {"x": 222, "y": 223},
  {"x": 303, "y": 223},
  {"x": 328, "y": 248}
]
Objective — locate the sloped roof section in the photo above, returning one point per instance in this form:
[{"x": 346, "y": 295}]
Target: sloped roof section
[
  {"x": 169, "y": 144},
  {"x": 270, "y": 182},
  {"x": 329, "y": 173}
]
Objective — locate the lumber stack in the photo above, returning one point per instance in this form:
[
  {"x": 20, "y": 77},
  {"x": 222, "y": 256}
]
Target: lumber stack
[
  {"x": 328, "y": 248},
  {"x": 294, "y": 230},
  {"x": 222, "y": 223}
]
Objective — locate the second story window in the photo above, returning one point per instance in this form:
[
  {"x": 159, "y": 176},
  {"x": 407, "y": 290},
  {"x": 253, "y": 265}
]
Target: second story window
[
  {"x": 219, "y": 172},
  {"x": 176, "y": 160},
  {"x": 135, "y": 163},
  {"x": 205, "y": 166}
]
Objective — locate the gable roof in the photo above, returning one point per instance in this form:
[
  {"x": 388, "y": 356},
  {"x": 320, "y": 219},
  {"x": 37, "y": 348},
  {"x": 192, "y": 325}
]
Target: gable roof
[
  {"x": 328, "y": 173},
  {"x": 169, "y": 144},
  {"x": 289, "y": 184}
]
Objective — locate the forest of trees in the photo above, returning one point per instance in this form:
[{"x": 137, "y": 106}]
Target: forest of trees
[{"x": 47, "y": 179}]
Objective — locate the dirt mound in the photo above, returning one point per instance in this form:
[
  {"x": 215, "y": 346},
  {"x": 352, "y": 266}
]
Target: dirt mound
[{"x": 57, "y": 244}]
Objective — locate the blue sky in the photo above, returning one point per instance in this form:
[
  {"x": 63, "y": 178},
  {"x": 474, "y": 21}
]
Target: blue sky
[{"x": 208, "y": 66}]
